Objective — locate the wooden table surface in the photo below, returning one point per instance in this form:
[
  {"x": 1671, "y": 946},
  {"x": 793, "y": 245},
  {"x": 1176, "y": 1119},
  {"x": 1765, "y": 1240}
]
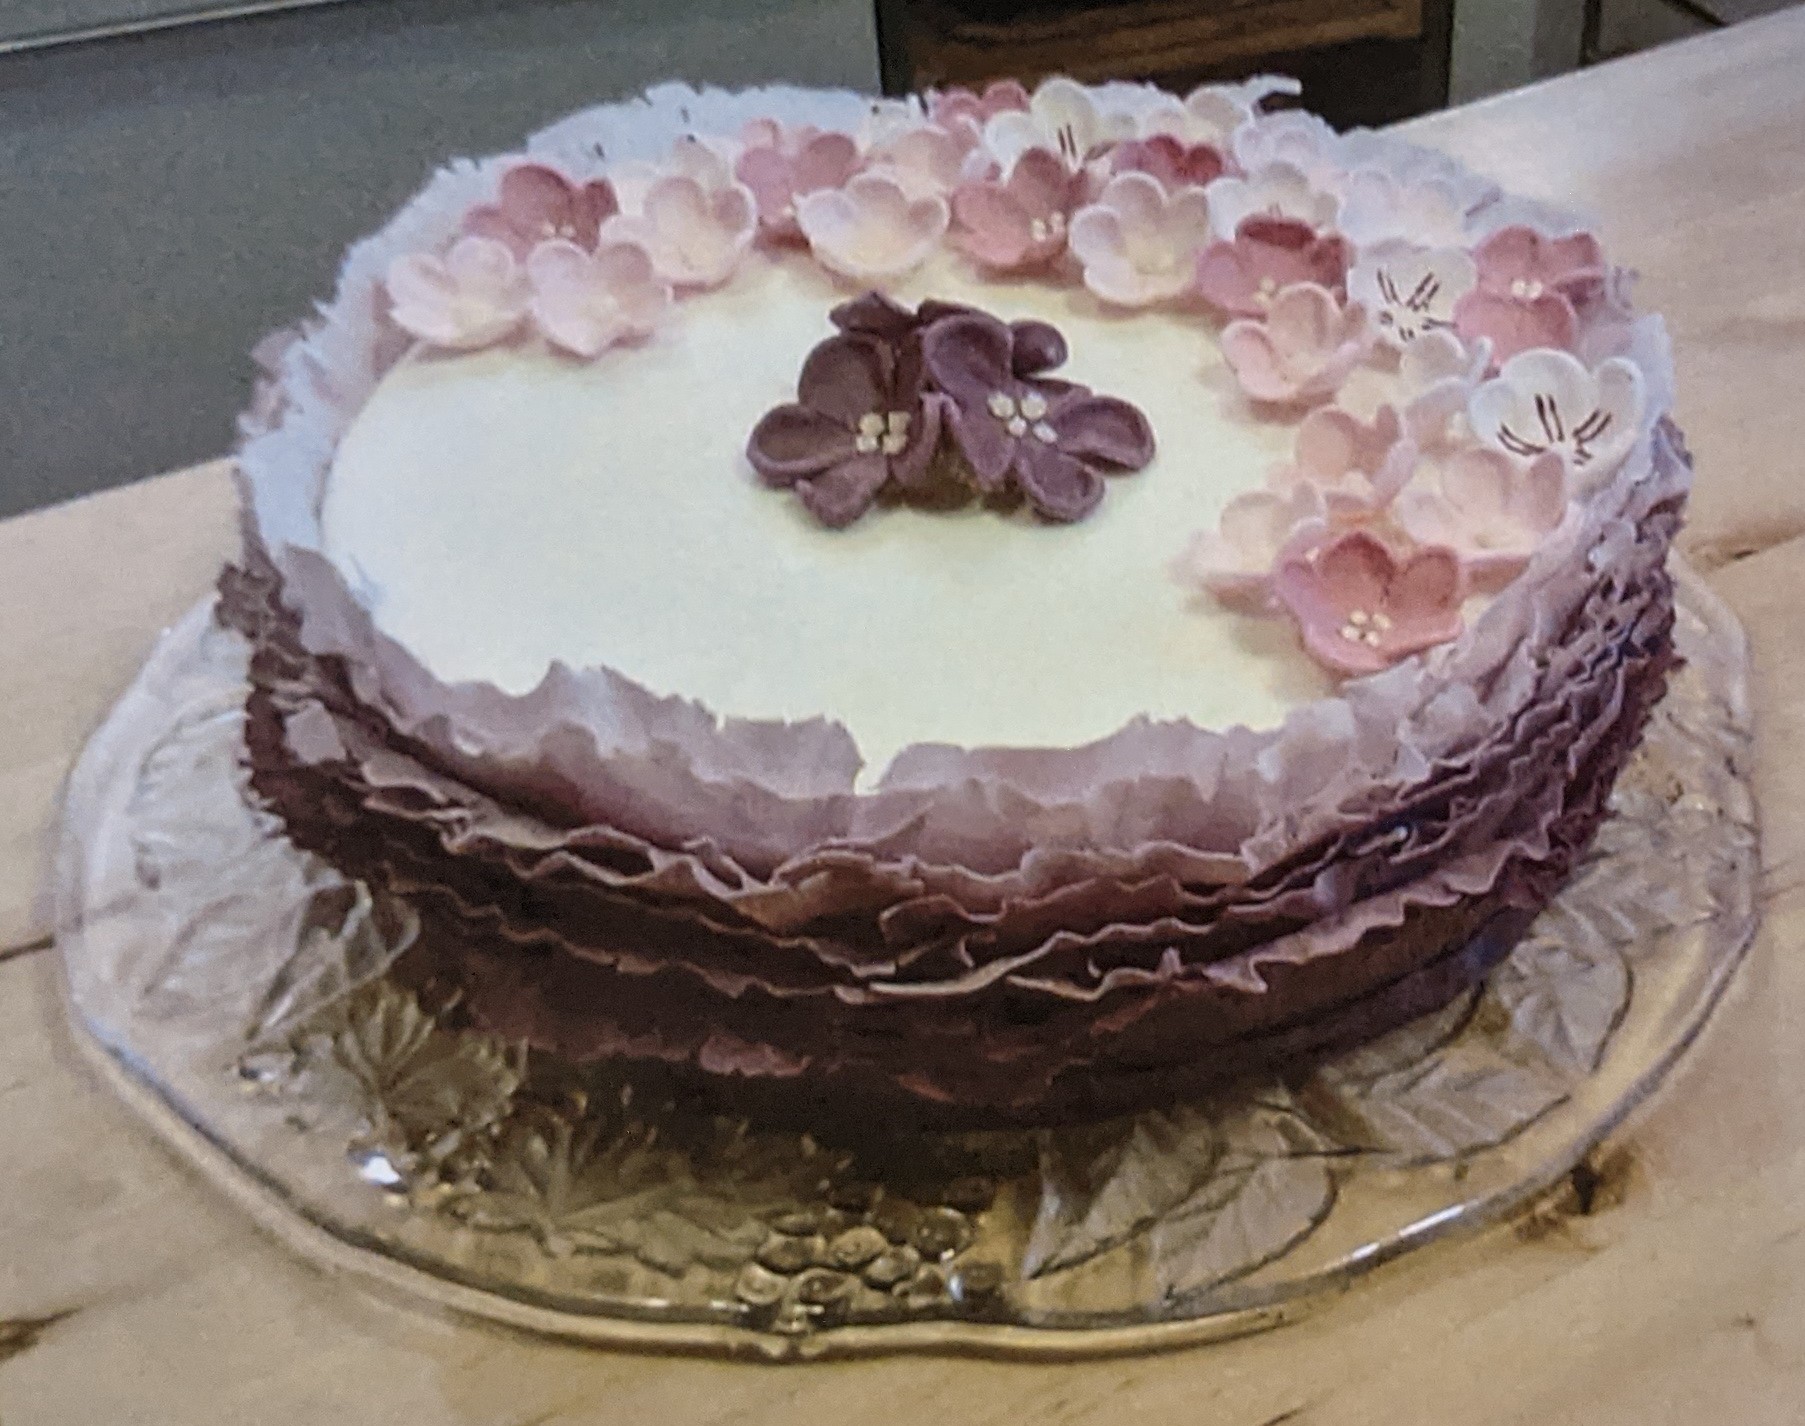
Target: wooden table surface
[{"x": 130, "y": 1293}]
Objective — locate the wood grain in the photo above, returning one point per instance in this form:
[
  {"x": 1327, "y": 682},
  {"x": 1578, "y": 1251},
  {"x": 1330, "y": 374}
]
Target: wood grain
[{"x": 1679, "y": 1298}]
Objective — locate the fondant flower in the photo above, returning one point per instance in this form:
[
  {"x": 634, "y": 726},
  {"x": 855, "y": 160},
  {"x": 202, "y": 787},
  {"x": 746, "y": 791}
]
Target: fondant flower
[
  {"x": 1437, "y": 372},
  {"x": 694, "y": 235},
  {"x": 779, "y": 165},
  {"x": 1210, "y": 114},
  {"x": 1548, "y": 401},
  {"x": 1377, "y": 207},
  {"x": 859, "y": 422},
  {"x": 587, "y": 302},
  {"x": 1138, "y": 243},
  {"x": 473, "y": 296},
  {"x": 947, "y": 107},
  {"x": 1242, "y": 275},
  {"x": 1302, "y": 350},
  {"x": 1278, "y": 190},
  {"x": 1357, "y": 466},
  {"x": 1257, "y": 530},
  {"x": 1037, "y": 346},
  {"x": 1051, "y": 440},
  {"x": 926, "y": 161},
  {"x": 1062, "y": 117},
  {"x": 1019, "y": 222},
  {"x": 1175, "y": 163},
  {"x": 871, "y": 228},
  {"x": 1360, "y": 608},
  {"x": 1410, "y": 290},
  {"x": 1492, "y": 511},
  {"x": 534, "y": 202},
  {"x": 1525, "y": 290},
  {"x": 1294, "y": 137}
]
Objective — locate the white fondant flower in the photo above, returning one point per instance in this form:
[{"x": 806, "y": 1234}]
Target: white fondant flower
[
  {"x": 1295, "y": 137},
  {"x": 1138, "y": 244},
  {"x": 473, "y": 296},
  {"x": 1546, "y": 400},
  {"x": 1490, "y": 510},
  {"x": 695, "y": 235},
  {"x": 1410, "y": 290},
  {"x": 1061, "y": 116},
  {"x": 1377, "y": 207},
  {"x": 1278, "y": 190},
  {"x": 587, "y": 302},
  {"x": 1302, "y": 350},
  {"x": 1436, "y": 374},
  {"x": 691, "y": 156},
  {"x": 1256, "y": 531},
  {"x": 871, "y": 228}
]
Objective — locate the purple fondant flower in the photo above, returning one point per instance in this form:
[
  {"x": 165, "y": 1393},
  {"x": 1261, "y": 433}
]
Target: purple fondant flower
[
  {"x": 859, "y": 421},
  {"x": 1052, "y": 440},
  {"x": 1361, "y": 608},
  {"x": 535, "y": 203},
  {"x": 1527, "y": 285},
  {"x": 1267, "y": 255}
]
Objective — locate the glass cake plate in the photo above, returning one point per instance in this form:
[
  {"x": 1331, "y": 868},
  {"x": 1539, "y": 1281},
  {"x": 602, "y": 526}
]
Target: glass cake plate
[{"x": 232, "y": 989}]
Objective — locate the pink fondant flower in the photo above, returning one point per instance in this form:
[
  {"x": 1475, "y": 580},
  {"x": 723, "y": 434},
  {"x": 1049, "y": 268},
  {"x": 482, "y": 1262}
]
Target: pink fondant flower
[
  {"x": 534, "y": 202},
  {"x": 779, "y": 165},
  {"x": 859, "y": 421},
  {"x": 1241, "y": 276},
  {"x": 1548, "y": 401},
  {"x": 1490, "y": 510},
  {"x": 1526, "y": 288},
  {"x": 1302, "y": 350},
  {"x": 695, "y": 236},
  {"x": 1358, "y": 466},
  {"x": 1437, "y": 373},
  {"x": 473, "y": 296},
  {"x": 1020, "y": 222},
  {"x": 1170, "y": 159},
  {"x": 1279, "y": 190},
  {"x": 947, "y": 107},
  {"x": 1378, "y": 207},
  {"x": 1410, "y": 290},
  {"x": 1361, "y": 608},
  {"x": 1051, "y": 440},
  {"x": 925, "y": 162},
  {"x": 587, "y": 302},
  {"x": 1257, "y": 530},
  {"x": 1138, "y": 243},
  {"x": 1062, "y": 117},
  {"x": 871, "y": 228}
]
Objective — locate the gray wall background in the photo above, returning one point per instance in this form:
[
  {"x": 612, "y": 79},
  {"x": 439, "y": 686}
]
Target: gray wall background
[{"x": 167, "y": 198}]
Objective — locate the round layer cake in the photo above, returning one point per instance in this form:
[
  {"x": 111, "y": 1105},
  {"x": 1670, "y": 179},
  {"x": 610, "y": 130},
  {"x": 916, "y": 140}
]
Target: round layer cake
[{"x": 988, "y": 608}]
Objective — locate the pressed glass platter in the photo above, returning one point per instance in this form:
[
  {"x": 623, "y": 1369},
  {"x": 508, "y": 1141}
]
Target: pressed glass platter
[{"x": 232, "y": 989}]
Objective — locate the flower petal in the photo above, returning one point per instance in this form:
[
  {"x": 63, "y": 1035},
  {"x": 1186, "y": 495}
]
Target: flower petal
[
  {"x": 1103, "y": 429},
  {"x": 846, "y": 377},
  {"x": 792, "y": 443},
  {"x": 1058, "y": 485},
  {"x": 969, "y": 356},
  {"x": 842, "y": 493}
]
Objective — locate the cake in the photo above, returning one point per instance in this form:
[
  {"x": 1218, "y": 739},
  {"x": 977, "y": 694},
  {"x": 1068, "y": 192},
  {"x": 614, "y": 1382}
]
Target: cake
[{"x": 984, "y": 609}]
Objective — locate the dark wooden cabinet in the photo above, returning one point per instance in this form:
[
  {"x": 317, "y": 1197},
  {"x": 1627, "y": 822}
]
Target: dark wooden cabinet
[{"x": 1362, "y": 61}]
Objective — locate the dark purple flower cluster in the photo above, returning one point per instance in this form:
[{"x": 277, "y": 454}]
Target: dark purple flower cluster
[{"x": 874, "y": 401}]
